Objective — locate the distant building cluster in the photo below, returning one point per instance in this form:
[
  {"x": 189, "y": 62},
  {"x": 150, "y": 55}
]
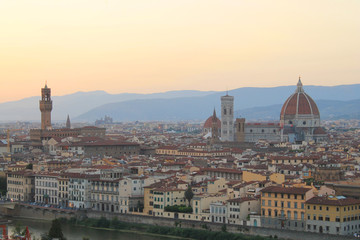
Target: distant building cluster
[{"x": 105, "y": 120}]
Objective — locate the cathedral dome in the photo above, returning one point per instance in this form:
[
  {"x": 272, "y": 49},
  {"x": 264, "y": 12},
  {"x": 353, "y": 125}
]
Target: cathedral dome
[
  {"x": 208, "y": 123},
  {"x": 299, "y": 103}
]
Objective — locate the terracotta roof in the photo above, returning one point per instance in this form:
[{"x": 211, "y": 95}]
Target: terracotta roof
[
  {"x": 291, "y": 190},
  {"x": 244, "y": 199},
  {"x": 319, "y": 130},
  {"x": 225, "y": 170},
  {"x": 333, "y": 201},
  {"x": 208, "y": 122},
  {"x": 299, "y": 103}
]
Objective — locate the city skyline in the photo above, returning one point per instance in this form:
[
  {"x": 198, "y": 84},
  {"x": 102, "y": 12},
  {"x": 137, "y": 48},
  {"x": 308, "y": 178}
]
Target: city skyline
[{"x": 146, "y": 47}]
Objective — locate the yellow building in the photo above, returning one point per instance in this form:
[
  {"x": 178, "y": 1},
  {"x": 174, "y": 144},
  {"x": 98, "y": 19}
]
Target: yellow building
[
  {"x": 167, "y": 197},
  {"x": 284, "y": 207},
  {"x": 333, "y": 215},
  {"x": 275, "y": 177},
  {"x": 293, "y": 160},
  {"x": 21, "y": 185}
]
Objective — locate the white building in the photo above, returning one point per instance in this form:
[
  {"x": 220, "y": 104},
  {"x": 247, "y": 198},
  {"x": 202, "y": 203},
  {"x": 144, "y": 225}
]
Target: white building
[
  {"x": 46, "y": 188},
  {"x": 79, "y": 190}
]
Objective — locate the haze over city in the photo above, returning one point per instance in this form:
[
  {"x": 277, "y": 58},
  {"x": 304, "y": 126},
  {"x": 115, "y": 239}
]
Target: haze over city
[{"x": 154, "y": 46}]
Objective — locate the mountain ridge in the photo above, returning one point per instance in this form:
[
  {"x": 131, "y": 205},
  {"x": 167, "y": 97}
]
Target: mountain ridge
[{"x": 79, "y": 104}]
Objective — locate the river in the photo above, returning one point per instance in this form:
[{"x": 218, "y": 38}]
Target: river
[{"x": 71, "y": 232}]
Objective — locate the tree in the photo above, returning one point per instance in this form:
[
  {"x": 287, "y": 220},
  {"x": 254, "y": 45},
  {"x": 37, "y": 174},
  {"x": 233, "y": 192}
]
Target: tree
[
  {"x": 18, "y": 229},
  {"x": 3, "y": 186},
  {"x": 189, "y": 194},
  {"x": 29, "y": 166},
  {"x": 55, "y": 230}
]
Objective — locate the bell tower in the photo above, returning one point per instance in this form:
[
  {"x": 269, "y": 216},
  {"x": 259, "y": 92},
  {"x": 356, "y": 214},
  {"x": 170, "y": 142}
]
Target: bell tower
[{"x": 45, "y": 107}]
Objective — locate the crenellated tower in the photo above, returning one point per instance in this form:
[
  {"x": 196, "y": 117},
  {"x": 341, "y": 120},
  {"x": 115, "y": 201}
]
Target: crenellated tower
[{"x": 45, "y": 108}]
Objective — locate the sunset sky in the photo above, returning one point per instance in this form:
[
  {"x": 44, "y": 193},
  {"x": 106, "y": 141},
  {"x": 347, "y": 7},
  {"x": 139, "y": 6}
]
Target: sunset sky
[{"x": 161, "y": 45}]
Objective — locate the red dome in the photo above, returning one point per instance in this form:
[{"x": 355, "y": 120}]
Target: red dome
[
  {"x": 299, "y": 103},
  {"x": 208, "y": 122}
]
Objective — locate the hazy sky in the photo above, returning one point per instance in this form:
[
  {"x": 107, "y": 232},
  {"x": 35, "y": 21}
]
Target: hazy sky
[{"x": 160, "y": 45}]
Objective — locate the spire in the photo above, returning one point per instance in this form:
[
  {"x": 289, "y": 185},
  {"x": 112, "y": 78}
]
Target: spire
[
  {"x": 299, "y": 86},
  {"x": 46, "y": 84},
  {"x": 214, "y": 113},
  {"x": 68, "y": 124}
]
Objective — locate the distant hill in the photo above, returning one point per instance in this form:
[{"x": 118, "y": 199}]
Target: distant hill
[
  {"x": 249, "y": 101},
  {"x": 178, "y": 105},
  {"x": 77, "y": 103}
]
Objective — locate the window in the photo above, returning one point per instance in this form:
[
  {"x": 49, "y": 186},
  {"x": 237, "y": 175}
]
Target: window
[
  {"x": 295, "y": 204},
  {"x": 269, "y": 203},
  {"x": 276, "y": 203},
  {"x": 289, "y": 204}
]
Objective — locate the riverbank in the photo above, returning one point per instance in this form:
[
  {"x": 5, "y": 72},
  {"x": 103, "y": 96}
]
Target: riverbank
[
  {"x": 76, "y": 232},
  {"x": 155, "y": 230},
  {"x": 34, "y": 212}
]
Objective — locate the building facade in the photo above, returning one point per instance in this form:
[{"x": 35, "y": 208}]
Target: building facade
[
  {"x": 333, "y": 215},
  {"x": 284, "y": 207},
  {"x": 21, "y": 185}
]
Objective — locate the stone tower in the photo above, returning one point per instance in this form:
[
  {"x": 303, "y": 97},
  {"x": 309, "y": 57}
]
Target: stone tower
[
  {"x": 68, "y": 124},
  {"x": 227, "y": 118},
  {"x": 45, "y": 108},
  {"x": 240, "y": 130}
]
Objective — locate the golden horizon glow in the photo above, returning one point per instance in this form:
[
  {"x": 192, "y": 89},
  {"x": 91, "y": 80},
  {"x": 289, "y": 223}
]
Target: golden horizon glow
[{"x": 146, "y": 46}]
